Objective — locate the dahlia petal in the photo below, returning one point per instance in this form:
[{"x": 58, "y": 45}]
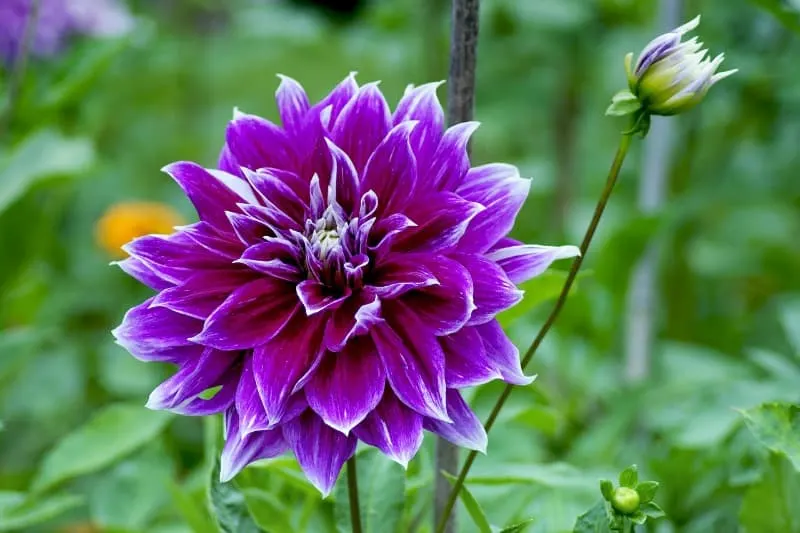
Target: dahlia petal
[
  {"x": 228, "y": 163},
  {"x": 193, "y": 378},
  {"x": 222, "y": 244},
  {"x": 347, "y": 385},
  {"x": 393, "y": 428},
  {"x": 502, "y": 353},
  {"x": 465, "y": 430},
  {"x": 401, "y": 274},
  {"x": 276, "y": 258},
  {"x": 210, "y": 196},
  {"x": 500, "y": 188},
  {"x": 316, "y": 297},
  {"x": 362, "y": 124},
  {"x": 203, "y": 292},
  {"x": 235, "y": 183},
  {"x": 524, "y": 262},
  {"x": 249, "y": 230},
  {"x": 384, "y": 233},
  {"x": 292, "y": 103},
  {"x": 251, "y": 315},
  {"x": 250, "y": 410},
  {"x": 173, "y": 257},
  {"x": 493, "y": 292},
  {"x": 391, "y": 170},
  {"x": 218, "y": 403},
  {"x": 243, "y": 448},
  {"x": 146, "y": 331},
  {"x": 355, "y": 317},
  {"x": 274, "y": 218},
  {"x": 447, "y": 306},
  {"x": 422, "y": 104},
  {"x": 414, "y": 363},
  {"x": 255, "y": 142},
  {"x": 450, "y": 162},
  {"x": 139, "y": 270},
  {"x": 443, "y": 219},
  {"x": 344, "y": 178},
  {"x": 277, "y": 188},
  {"x": 466, "y": 361},
  {"x": 320, "y": 450},
  {"x": 338, "y": 98},
  {"x": 279, "y": 365}
]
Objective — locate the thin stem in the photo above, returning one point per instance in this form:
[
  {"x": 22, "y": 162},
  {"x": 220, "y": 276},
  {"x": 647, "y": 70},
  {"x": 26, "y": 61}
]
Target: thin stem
[
  {"x": 613, "y": 174},
  {"x": 19, "y": 66},
  {"x": 460, "y": 106},
  {"x": 352, "y": 492}
]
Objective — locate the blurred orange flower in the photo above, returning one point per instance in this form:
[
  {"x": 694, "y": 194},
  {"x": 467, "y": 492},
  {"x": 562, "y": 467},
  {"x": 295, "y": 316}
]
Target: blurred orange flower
[{"x": 125, "y": 221}]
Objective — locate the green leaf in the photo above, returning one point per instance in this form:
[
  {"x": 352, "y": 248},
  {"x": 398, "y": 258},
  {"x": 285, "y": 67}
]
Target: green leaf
[
  {"x": 777, "y": 426},
  {"x": 195, "y": 514},
  {"x": 595, "y": 520},
  {"x": 629, "y": 477},
  {"x": 27, "y": 164},
  {"x": 771, "y": 504},
  {"x": 607, "y": 489},
  {"x": 381, "y": 495},
  {"x": 111, "y": 434},
  {"x": 647, "y": 490},
  {"x": 19, "y": 512},
  {"x": 652, "y": 510},
  {"x": 638, "y": 517},
  {"x": 228, "y": 505},
  {"x": 623, "y": 103},
  {"x": 473, "y": 507},
  {"x": 538, "y": 290},
  {"x": 268, "y": 511},
  {"x": 784, "y": 10},
  {"x": 517, "y": 528}
]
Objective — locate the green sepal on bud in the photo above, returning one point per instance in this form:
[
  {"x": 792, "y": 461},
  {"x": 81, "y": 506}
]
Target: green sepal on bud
[{"x": 623, "y": 103}]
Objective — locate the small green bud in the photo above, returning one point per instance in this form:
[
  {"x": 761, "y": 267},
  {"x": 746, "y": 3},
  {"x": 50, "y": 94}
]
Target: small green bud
[{"x": 625, "y": 500}]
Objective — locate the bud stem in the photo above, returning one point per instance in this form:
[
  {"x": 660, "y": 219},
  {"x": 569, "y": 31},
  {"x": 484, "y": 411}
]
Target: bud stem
[
  {"x": 611, "y": 180},
  {"x": 352, "y": 492}
]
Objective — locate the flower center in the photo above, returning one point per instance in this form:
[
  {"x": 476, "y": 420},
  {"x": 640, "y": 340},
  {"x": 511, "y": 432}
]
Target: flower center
[{"x": 327, "y": 240}]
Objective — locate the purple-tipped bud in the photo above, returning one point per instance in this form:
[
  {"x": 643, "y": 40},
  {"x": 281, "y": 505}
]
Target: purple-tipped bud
[{"x": 672, "y": 76}]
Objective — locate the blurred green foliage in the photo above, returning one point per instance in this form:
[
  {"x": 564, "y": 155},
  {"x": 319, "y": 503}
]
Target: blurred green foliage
[{"x": 79, "y": 453}]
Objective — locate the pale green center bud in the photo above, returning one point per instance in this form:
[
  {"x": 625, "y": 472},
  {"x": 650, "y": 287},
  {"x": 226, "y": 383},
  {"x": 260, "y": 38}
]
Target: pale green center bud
[{"x": 625, "y": 500}]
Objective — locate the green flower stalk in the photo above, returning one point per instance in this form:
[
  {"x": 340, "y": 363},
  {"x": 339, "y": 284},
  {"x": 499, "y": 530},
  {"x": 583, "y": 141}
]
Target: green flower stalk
[{"x": 669, "y": 77}]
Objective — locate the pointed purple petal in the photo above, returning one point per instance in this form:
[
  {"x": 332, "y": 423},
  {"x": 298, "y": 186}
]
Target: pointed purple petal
[
  {"x": 221, "y": 243},
  {"x": 502, "y": 353},
  {"x": 345, "y": 177},
  {"x": 422, "y": 104},
  {"x": 524, "y": 262},
  {"x": 248, "y": 229},
  {"x": 255, "y": 142},
  {"x": 445, "y": 307},
  {"x": 280, "y": 189},
  {"x": 442, "y": 220},
  {"x": 292, "y": 104},
  {"x": 173, "y": 257},
  {"x": 391, "y": 170},
  {"x": 393, "y": 428},
  {"x": 362, "y": 124},
  {"x": 401, "y": 274},
  {"x": 493, "y": 292},
  {"x": 146, "y": 331},
  {"x": 194, "y": 377},
  {"x": 252, "y": 416},
  {"x": 276, "y": 258},
  {"x": 466, "y": 361},
  {"x": 450, "y": 162},
  {"x": 241, "y": 448},
  {"x": 502, "y": 191},
  {"x": 279, "y": 364},
  {"x": 316, "y": 297},
  {"x": 222, "y": 400},
  {"x": 355, "y": 317},
  {"x": 414, "y": 362},
  {"x": 143, "y": 274},
  {"x": 465, "y": 430},
  {"x": 347, "y": 385},
  {"x": 210, "y": 196},
  {"x": 252, "y": 315},
  {"x": 203, "y": 292},
  {"x": 320, "y": 450}
]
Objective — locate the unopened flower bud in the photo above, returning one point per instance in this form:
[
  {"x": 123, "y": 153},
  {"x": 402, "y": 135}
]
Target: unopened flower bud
[
  {"x": 671, "y": 76},
  {"x": 625, "y": 500}
]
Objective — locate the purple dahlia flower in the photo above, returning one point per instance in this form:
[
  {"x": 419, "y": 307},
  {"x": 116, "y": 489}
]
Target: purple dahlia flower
[
  {"x": 56, "y": 22},
  {"x": 341, "y": 284}
]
